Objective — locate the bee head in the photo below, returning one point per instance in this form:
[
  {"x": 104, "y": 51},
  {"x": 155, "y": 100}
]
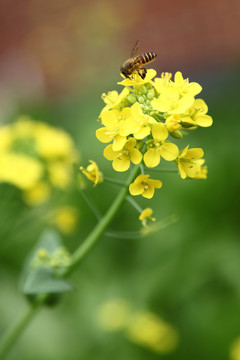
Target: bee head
[{"x": 123, "y": 72}]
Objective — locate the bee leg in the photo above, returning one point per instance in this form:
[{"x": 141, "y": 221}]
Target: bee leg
[{"x": 142, "y": 72}]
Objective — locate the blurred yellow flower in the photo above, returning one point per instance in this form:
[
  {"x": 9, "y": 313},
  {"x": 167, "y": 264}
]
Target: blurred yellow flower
[
  {"x": 34, "y": 156},
  {"x": 114, "y": 315},
  {"x": 235, "y": 350},
  {"x": 148, "y": 330},
  {"x": 39, "y": 193},
  {"x": 20, "y": 170},
  {"x": 59, "y": 173},
  {"x": 93, "y": 173},
  {"x": 65, "y": 218}
]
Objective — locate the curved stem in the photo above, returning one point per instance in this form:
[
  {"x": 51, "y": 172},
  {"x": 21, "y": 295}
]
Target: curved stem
[{"x": 95, "y": 235}]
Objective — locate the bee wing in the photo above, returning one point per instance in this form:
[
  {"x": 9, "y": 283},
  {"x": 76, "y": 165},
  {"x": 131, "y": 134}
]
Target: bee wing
[{"x": 135, "y": 49}]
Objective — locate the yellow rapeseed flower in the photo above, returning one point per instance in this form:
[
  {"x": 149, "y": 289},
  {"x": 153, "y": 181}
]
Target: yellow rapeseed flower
[
  {"x": 113, "y": 121},
  {"x": 139, "y": 124},
  {"x": 162, "y": 83},
  {"x": 113, "y": 99},
  {"x": 158, "y": 148},
  {"x": 121, "y": 159},
  {"x": 137, "y": 80},
  {"x": 196, "y": 115},
  {"x": 188, "y": 162},
  {"x": 93, "y": 173},
  {"x": 184, "y": 87},
  {"x": 144, "y": 186},
  {"x": 145, "y": 215},
  {"x": 171, "y": 102}
]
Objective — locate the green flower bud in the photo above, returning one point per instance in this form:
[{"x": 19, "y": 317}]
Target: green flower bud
[
  {"x": 131, "y": 98},
  {"x": 176, "y": 134},
  {"x": 150, "y": 94},
  {"x": 141, "y": 99},
  {"x": 139, "y": 145}
]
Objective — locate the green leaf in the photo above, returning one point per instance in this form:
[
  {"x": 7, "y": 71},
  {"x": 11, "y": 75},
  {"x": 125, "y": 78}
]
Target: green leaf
[{"x": 43, "y": 279}]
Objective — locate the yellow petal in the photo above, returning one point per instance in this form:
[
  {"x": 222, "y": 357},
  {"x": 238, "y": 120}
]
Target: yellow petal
[
  {"x": 109, "y": 153},
  {"x": 155, "y": 183},
  {"x": 178, "y": 78},
  {"x": 160, "y": 104},
  {"x": 152, "y": 158},
  {"x": 182, "y": 171},
  {"x": 121, "y": 164},
  {"x": 142, "y": 133},
  {"x": 159, "y": 131},
  {"x": 135, "y": 156},
  {"x": 184, "y": 103},
  {"x": 118, "y": 142},
  {"x": 169, "y": 151},
  {"x": 195, "y": 153},
  {"x": 109, "y": 119},
  {"x": 136, "y": 189},
  {"x": 193, "y": 89},
  {"x": 102, "y": 135},
  {"x": 130, "y": 143},
  {"x": 204, "y": 120},
  {"x": 148, "y": 193}
]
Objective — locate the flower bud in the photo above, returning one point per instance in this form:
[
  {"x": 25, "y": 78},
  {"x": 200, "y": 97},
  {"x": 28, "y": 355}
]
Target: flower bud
[
  {"x": 131, "y": 98},
  {"x": 176, "y": 134}
]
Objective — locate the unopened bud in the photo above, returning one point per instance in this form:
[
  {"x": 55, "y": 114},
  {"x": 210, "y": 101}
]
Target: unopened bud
[{"x": 176, "y": 134}]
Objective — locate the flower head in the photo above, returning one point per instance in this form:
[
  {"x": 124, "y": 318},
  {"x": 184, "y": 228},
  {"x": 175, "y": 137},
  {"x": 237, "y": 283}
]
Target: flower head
[
  {"x": 145, "y": 215},
  {"x": 113, "y": 99},
  {"x": 196, "y": 115},
  {"x": 122, "y": 158},
  {"x": 114, "y": 129},
  {"x": 144, "y": 186},
  {"x": 158, "y": 148},
  {"x": 188, "y": 162},
  {"x": 93, "y": 173}
]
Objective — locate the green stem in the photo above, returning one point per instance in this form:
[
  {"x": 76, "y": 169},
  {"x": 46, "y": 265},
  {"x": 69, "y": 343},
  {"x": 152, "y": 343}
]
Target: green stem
[
  {"x": 13, "y": 333},
  {"x": 114, "y": 181},
  {"x": 95, "y": 235},
  {"x": 103, "y": 224}
]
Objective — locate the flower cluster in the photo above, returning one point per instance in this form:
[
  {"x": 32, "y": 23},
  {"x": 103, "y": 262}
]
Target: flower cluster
[
  {"x": 143, "y": 121},
  {"x": 36, "y": 158}
]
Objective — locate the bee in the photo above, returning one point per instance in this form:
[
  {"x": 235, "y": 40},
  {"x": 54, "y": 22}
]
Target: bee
[{"x": 135, "y": 63}]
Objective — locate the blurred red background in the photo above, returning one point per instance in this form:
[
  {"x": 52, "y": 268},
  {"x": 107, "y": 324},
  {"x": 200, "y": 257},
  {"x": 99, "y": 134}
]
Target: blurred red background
[{"x": 59, "y": 47}]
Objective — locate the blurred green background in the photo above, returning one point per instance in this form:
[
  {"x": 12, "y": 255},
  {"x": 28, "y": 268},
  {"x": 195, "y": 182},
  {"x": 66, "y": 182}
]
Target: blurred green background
[{"x": 56, "y": 59}]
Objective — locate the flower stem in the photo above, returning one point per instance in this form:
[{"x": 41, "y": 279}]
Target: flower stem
[
  {"x": 13, "y": 333},
  {"x": 103, "y": 224}
]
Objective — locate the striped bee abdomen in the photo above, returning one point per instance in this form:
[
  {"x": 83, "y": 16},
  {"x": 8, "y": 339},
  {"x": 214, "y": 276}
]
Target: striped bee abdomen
[{"x": 148, "y": 57}]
